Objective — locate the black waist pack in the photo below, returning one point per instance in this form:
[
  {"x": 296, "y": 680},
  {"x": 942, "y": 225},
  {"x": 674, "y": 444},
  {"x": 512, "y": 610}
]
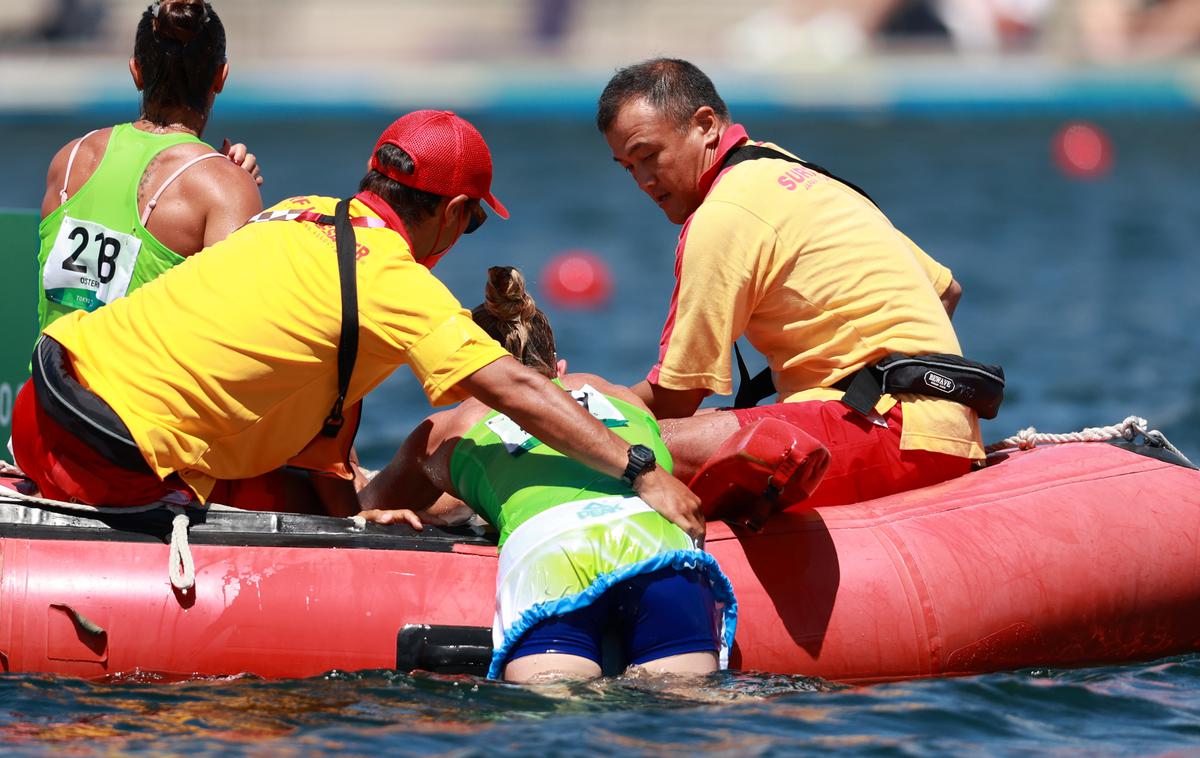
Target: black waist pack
[
  {"x": 978, "y": 386},
  {"x": 81, "y": 411}
]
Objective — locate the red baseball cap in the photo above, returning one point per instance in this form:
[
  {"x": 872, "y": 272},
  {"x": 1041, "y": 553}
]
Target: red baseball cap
[{"x": 449, "y": 156}]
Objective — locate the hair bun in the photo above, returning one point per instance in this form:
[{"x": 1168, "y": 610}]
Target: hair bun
[
  {"x": 505, "y": 296},
  {"x": 180, "y": 20}
]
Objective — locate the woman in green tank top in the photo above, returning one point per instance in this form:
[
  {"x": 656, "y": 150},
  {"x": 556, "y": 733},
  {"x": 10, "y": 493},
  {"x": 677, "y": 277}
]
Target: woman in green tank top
[
  {"x": 123, "y": 204},
  {"x": 580, "y": 554}
]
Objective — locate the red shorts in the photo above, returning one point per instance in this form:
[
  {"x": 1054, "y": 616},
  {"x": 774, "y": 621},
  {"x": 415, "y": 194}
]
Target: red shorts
[
  {"x": 866, "y": 461},
  {"x": 65, "y": 468},
  {"x": 279, "y": 491}
]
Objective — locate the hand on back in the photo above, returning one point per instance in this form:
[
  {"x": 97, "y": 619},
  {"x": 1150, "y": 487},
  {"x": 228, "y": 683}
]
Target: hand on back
[
  {"x": 671, "y": 498},
  {"x": 209, "y": 201},
  {"x": 241, "y": 156}
]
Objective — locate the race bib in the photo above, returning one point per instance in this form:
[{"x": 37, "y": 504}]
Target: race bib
[
  {"x": 89, "y": 265},
  {"x": 516, "y": 440}
]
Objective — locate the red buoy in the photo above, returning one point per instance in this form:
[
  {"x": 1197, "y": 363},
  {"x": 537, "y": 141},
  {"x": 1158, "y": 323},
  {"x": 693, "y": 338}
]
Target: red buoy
[
  {"x": 1083, "y": 151},
  {"x": 577, "y": 279}
]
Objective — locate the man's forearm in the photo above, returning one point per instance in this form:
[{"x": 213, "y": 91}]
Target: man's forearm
[
  {"x": 668, "y": 403},
  {"x": 951, "y": 297},
  {"x": 645, "y": 393}
]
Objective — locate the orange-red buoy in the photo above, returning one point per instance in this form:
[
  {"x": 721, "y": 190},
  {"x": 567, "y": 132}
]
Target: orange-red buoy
[
  {"x": 1083, "y": 151},
  {"x": 577, "y": 279}
]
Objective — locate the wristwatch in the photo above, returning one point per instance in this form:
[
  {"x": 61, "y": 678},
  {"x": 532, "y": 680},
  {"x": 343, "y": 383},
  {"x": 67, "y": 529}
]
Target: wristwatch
[{"x": 641, "y": 460}]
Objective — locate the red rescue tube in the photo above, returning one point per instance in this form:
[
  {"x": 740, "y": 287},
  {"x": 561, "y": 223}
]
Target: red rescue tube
[{"x": 768, "y": 460}]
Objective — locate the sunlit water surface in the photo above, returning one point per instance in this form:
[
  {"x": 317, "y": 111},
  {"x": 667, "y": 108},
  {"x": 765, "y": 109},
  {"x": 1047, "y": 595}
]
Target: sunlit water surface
[{"x": 1133, "y": 710}]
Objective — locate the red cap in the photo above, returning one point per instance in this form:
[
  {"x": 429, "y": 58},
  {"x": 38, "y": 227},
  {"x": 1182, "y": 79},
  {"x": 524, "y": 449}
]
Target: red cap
[{"x": 449, "y": 156}]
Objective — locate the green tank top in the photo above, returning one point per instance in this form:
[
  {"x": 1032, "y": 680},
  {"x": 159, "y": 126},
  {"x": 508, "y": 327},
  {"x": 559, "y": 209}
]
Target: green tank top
[
  {"x": 94, "y": 248},
  {"x": 507, "y": 476}
]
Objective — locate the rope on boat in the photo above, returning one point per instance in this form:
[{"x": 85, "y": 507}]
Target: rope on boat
[
  {"x": 181, "y": 569},
  {"x": 1129, "y": 429}
]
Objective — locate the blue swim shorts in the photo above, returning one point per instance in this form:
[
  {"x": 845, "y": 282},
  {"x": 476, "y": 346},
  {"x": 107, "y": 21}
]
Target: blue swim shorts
[{"x": 658, "y": 614}]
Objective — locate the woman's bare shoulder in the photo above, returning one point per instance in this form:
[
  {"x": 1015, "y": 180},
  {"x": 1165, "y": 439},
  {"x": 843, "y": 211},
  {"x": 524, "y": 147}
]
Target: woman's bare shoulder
[{"x": 88, "y": 150}]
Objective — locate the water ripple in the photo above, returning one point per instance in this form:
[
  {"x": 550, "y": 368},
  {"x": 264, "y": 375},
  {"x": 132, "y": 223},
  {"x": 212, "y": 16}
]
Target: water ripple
[{"x": 1132, "y": 710}]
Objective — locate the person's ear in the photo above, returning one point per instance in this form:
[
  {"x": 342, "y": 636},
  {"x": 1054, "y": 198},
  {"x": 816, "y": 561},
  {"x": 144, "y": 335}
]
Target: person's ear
[
  {"x": 456, "y": 212},
  {"x": 219, "y": 80},
  {"x": 561, "y": 366},
  {"x": 706, "y": 121},
  {"x": 135, "y": 70}
]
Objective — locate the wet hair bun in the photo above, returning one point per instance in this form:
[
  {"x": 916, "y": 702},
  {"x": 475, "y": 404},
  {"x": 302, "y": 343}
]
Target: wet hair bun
[
  {"x": 510, "y": 316},
  {"x": 179, "y": 20},
  {"x": 505, "y": 297}
]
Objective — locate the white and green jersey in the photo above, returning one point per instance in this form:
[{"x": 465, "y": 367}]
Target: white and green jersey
[{"x": 567, "y": 532}]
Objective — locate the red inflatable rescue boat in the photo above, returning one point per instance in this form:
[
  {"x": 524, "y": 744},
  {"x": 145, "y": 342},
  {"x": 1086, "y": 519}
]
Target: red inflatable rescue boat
[{"x": 1059, "y": 556}]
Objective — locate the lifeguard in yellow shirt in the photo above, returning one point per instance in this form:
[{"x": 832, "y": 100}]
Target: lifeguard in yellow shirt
[
  {"x": 812, "y": 273},
  {"x": 241, "y": 359}
]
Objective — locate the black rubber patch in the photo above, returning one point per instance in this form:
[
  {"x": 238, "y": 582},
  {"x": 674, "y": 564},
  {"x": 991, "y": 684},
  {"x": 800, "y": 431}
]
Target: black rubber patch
[{"x": 444, "y": 649}]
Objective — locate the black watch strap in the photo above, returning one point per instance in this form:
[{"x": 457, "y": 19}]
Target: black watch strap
[{"x": 641, "y": 460}]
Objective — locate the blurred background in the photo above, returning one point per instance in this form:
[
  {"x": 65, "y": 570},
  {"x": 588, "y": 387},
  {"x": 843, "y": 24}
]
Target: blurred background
[
  {"x": 552, "y": 54},
  {"x": 1044, "y": 150}
]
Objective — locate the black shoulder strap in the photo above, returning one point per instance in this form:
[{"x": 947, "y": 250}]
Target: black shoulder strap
[
  {"x": 348, "y": 343},
  {"x": 751, "y": 389},
  {"x": 79, "y": 410},
  {"x": 754, "y": 152}
]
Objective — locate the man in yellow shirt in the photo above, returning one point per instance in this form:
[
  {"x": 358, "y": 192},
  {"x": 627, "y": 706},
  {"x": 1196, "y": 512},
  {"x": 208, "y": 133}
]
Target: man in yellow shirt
[
  {"x": 225, "y": 367},
  {"x": 802, "y": 264}
]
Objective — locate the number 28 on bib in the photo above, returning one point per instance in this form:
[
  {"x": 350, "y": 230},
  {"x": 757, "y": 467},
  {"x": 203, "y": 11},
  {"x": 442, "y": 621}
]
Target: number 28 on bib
[{"x": 89, "y": 265}]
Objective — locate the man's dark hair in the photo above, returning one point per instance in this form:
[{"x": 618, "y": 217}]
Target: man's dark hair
[
  {"x": 411, "y": 205},
  {"x": 676, "y": 89},
  {"x": 180, "y": 45}
]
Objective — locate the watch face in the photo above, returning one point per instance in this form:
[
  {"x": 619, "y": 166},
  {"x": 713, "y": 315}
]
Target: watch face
[
  {"x": 641, "y": 460},
  {"x": 641, "y": 454}
]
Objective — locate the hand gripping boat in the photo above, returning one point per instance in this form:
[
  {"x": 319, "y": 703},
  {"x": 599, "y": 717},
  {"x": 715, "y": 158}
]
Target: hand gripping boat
[{"x": 1066, "y": 555}]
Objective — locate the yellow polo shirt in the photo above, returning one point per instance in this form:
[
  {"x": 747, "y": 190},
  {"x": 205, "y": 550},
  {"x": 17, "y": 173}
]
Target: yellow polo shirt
[
  {"x": 226, "y": 366},
  {"x": 819, "y": 281}
]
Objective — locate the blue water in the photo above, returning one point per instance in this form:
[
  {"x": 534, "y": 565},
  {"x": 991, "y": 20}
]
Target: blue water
[
  {"x": 1086, "y": 292},
  {"x": 1133, "y": 710}
]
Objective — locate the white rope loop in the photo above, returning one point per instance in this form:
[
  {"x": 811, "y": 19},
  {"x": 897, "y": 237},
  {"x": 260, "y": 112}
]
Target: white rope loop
[{"x": 181, "y": 568}]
